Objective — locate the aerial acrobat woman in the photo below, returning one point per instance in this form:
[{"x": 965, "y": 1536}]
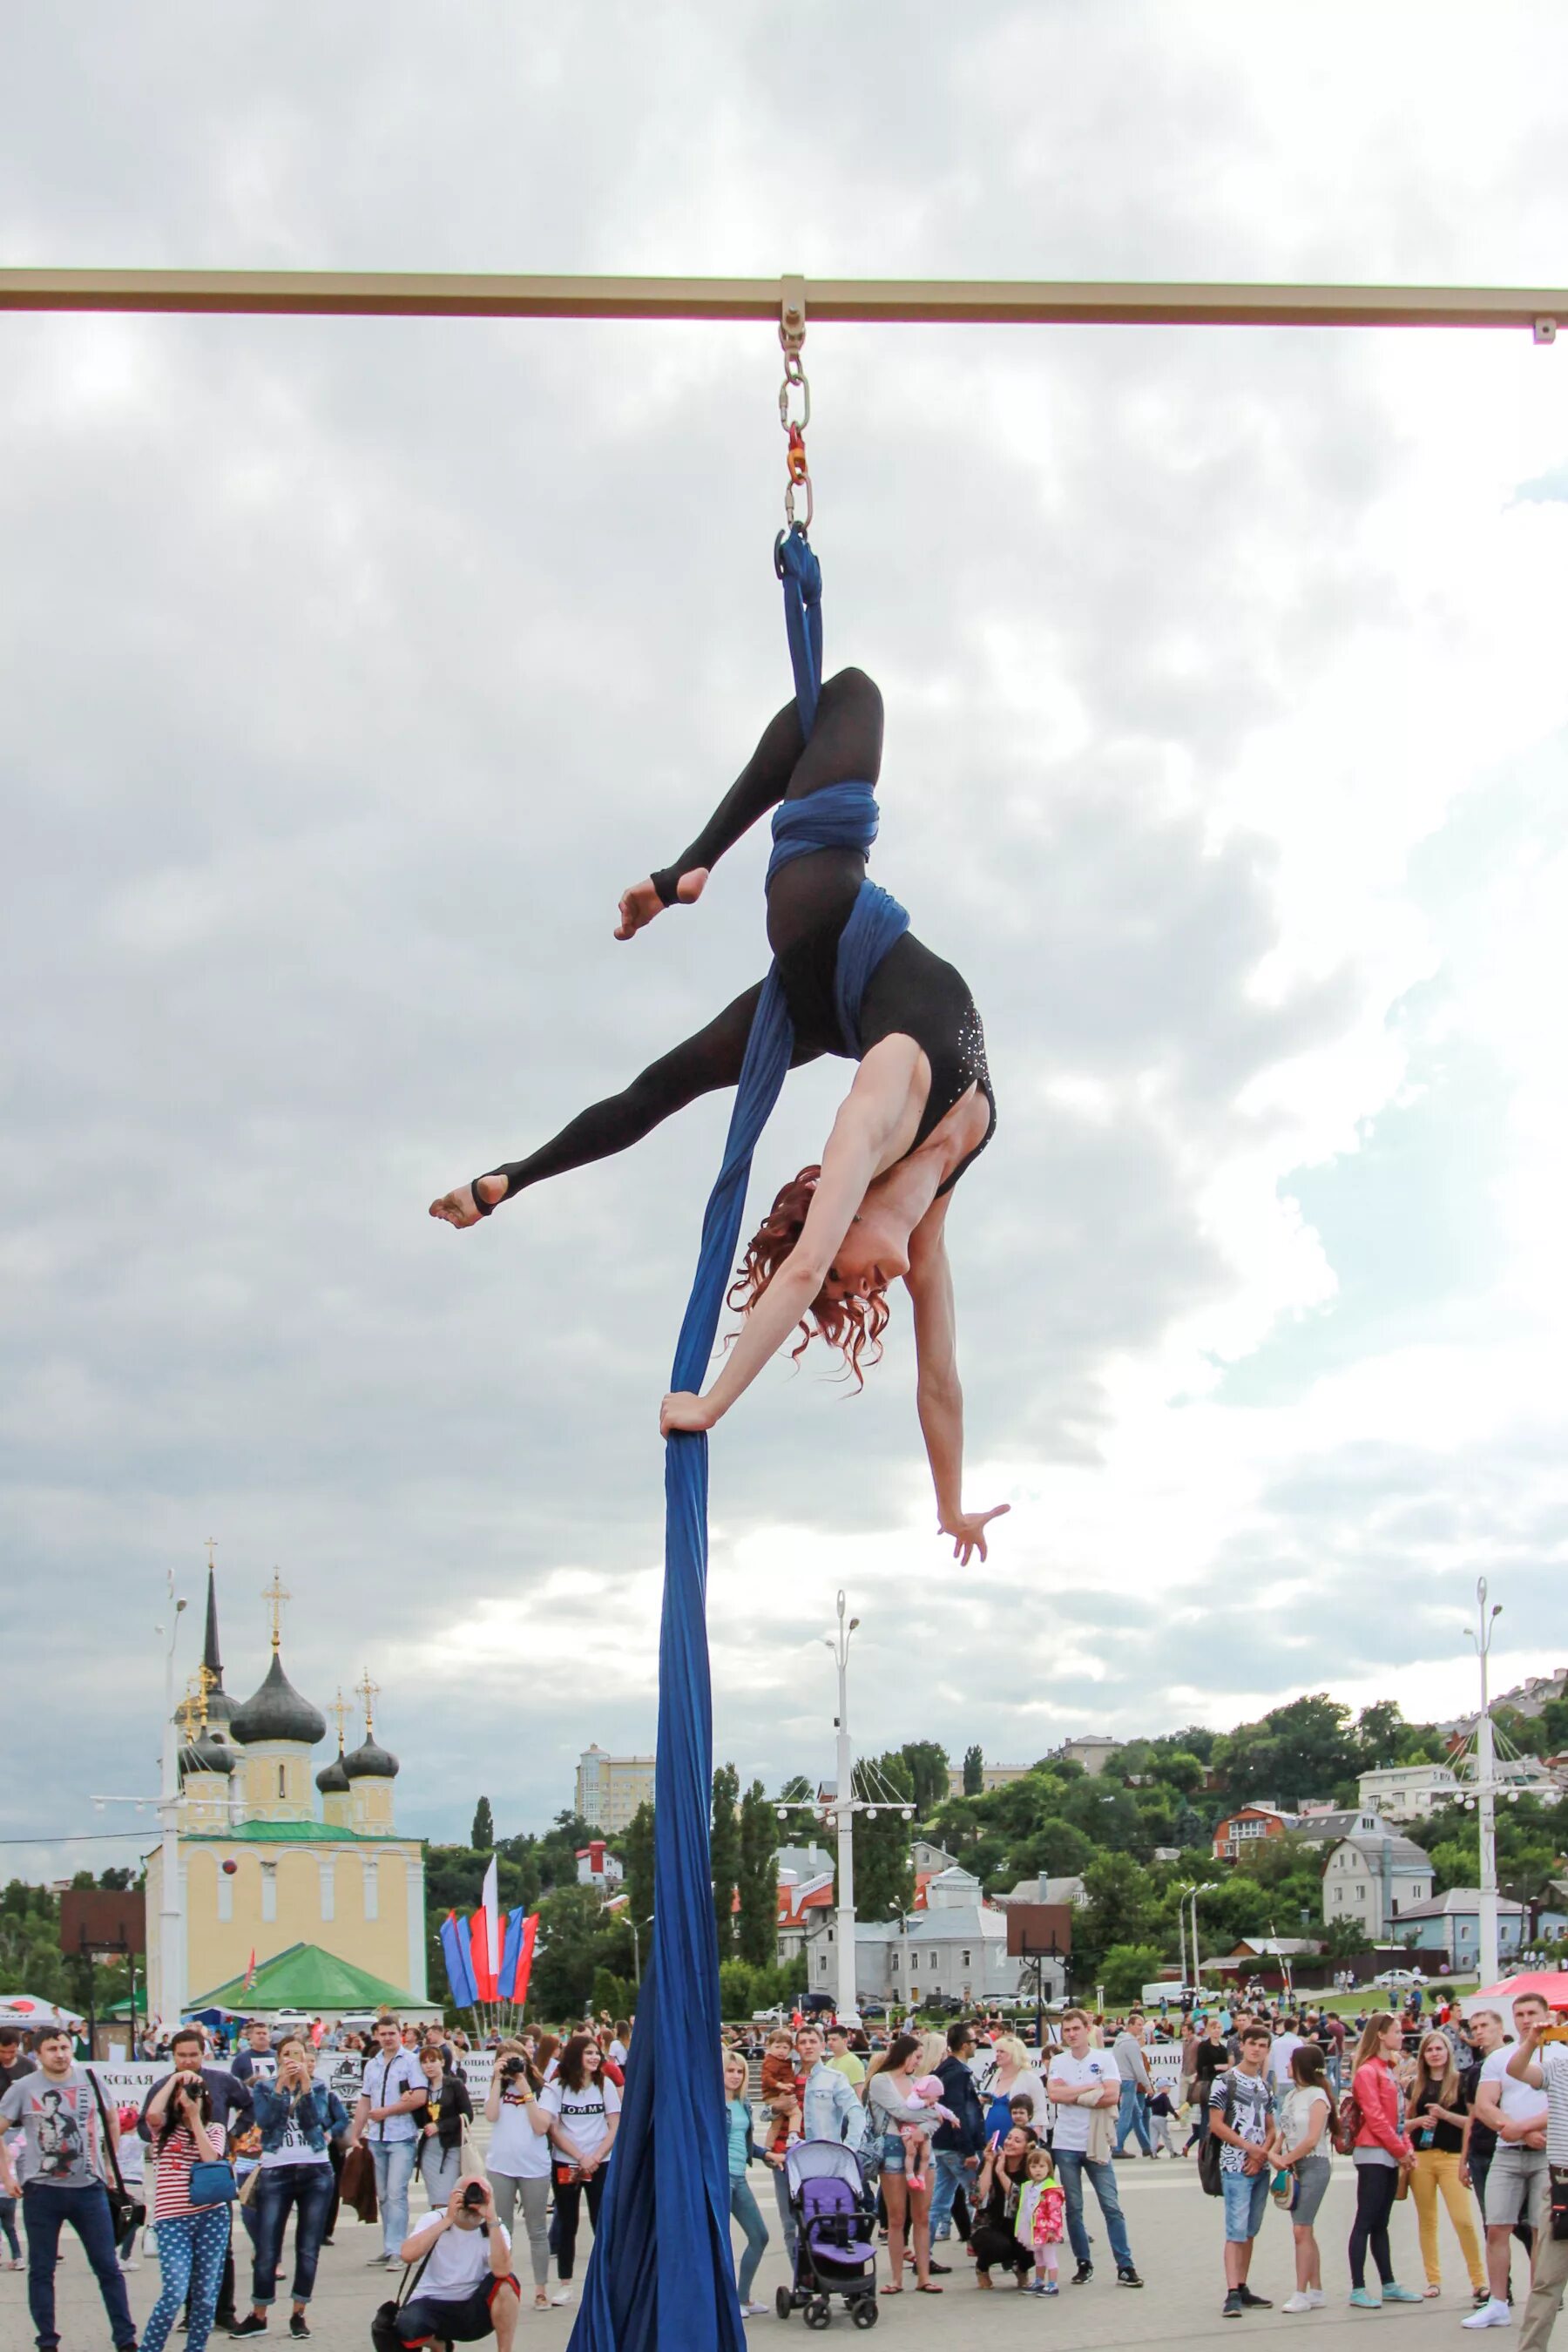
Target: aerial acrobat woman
[{"x": 919, "y": 1109}]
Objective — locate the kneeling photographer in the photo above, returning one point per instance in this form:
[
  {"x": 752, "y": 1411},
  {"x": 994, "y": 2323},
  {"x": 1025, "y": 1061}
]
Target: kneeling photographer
[{"x": 465, "y": 2290}]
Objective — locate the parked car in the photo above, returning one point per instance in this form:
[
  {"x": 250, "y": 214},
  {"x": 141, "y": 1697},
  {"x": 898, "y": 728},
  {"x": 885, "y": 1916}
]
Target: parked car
[{"x": 1392, "y": 1979}]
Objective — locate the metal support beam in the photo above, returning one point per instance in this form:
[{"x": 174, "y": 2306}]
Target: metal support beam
[{"x": 304, "y": 293}]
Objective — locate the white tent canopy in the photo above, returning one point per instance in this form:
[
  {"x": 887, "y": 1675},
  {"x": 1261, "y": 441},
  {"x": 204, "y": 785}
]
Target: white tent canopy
[{"x": 27, "y": 2012}]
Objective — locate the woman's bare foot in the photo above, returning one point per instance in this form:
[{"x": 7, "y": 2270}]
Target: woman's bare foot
[
  {"x": 458, "y": 1208},
  {"x": 642, "y": 902}
]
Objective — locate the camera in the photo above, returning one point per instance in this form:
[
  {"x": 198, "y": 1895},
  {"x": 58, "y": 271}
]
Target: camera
[
  {"x": 474, "y": 2196},
  {"x": 511, "y": 2069}
]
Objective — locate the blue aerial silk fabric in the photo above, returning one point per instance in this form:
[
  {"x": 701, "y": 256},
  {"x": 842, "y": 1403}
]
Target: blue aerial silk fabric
[{"x": 661, "y": 2276}]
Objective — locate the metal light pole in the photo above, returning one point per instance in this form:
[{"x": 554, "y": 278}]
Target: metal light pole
[
  {"x": 1181, "y": 1894},
  {"x": 1485, "y": 1786},
  {"x": 1205, "y": 1887},
  {"x": 844, "y": 1806},
  {"x": 171, "y": 1911}
]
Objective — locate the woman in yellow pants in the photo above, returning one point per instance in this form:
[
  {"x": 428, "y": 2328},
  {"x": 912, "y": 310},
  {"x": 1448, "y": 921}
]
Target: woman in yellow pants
[{"x": 1438, "y": 2118}]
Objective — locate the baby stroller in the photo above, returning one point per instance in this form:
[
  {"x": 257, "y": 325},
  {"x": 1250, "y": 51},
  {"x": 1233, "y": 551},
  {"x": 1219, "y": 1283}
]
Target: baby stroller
[{"x": 835, "y": 2247}]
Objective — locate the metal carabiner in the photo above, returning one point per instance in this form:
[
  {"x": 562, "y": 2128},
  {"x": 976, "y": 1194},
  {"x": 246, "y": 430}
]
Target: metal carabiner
[
  {"x": 785, "y": 417},
  {"x": 789, "y": 506}
]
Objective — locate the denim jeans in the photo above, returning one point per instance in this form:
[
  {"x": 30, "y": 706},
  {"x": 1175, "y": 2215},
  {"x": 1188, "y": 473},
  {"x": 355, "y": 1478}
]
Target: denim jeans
[
  {"x": 743, "y": 2209},
  {"x": 786, "y": 2218},
  {"x": 45, "y": 2208},
  {"x": 393, "y": 2162},
  {"x": 948, "y": 2177},
  {"x": 307, "y": 2188},
  {"x": 1132, "y": 2115},
  {"x": 1245, "y": 2198},
  {"x": 1072, "y": 2164},
  {"x": 191, "y": 2248}
]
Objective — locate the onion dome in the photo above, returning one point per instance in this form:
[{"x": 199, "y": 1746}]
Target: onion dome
[
  {"x": 371, "y": 1761},
  {"x": 277, "y": 1711},
  {"x": 332, "y": 1781},
  {"x": 208, "y": 1754}
]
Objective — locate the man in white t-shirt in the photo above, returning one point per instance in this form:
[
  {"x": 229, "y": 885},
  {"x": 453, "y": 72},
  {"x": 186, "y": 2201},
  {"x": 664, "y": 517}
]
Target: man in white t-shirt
[
  {"x": 465, "y": 2289},
  {"x": 1281, "y": 2050},
  {"x": 1081, "y": 2080},
  {"x": 390, "y": 2089},
  {"x": 1544, "y": 2066},
  {"x": 1518, "y": 2188}
]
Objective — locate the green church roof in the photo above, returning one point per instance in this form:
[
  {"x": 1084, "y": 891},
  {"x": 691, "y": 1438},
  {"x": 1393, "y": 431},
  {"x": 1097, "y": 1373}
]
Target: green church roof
[
  {"x": 305, "y": 1976},
  {"x": 294, "y": 1833}
]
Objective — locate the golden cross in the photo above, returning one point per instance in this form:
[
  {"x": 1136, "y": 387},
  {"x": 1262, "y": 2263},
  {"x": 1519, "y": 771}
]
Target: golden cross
[
  {"x": 342, "y": 1711},
  {"x": 211, "y": 1543},
  {"x": 275, "y": 1596},
  {"x": 368, "y": 1691}
]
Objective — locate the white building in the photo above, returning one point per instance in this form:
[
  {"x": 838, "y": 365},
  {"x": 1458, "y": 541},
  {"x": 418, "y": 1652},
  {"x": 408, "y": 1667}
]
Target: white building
[
  {"x": 1092, "y": 1749},
  {"x": 1375, "y": 1876},
  {"x": 1407, "y": 1792},
  {"x": 611, "y": 1788},
  {"x": 956, "y": 1949},
  {"x": 992, "y": 1776}
]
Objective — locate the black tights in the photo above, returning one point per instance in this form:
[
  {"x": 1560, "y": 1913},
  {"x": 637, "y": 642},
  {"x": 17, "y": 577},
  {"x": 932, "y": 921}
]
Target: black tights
[
  {"x": 1375, "y": 2185},
  {"x": 845, "y": 747}
]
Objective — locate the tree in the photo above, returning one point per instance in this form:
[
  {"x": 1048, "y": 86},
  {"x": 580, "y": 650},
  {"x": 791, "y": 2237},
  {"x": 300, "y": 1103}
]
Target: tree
[
  {"x": 1344, "y": 1939},
  {"x": 757, "y": 1927},
  {"x": 974, "y": 1771},
  {"x": 482, "y": 1836},
  {"x": 725, "y": 1856},
  {"x": 927, "y": 1760},
  {"x": 796, "y": 1791},
  {"x": 884, "y": 1869},
  {"x": 636, "y": 1863},
  {"x": 1126, "y": 1968},
  {"x": 1120, "y": 1907},
  {"x": 576, "y": 1937},
  {"x": 1181, "y": 1770}
]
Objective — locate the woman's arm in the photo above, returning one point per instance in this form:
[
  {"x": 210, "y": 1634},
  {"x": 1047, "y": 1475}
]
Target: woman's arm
[
  {"x": 939, "y": 1398},
  {"x": 867, "y": 1117}
]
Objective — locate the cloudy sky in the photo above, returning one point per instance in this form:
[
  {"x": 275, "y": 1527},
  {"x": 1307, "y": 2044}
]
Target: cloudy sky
[{"x": 351, "y": 669}]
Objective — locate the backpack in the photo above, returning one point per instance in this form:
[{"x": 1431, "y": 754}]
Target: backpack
[
  {"x": 1209, "y": 2148},
  {"x": 1345, "y": 2123}
]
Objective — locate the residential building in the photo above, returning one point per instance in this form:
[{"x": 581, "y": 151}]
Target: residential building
[
  {"x": 1407, "y": 1792},
  {"x": 1451, "y": 1923},
  {"x": 1375, "y": 1877},
  {"x": 610, "y": 1789},
  {"x": 1325, "y": 1825},
  {"x": 928, "y": 1859},
  {"x": 595, "y": 1867},
  {"x": 1093, "y": 1750},
  {"x": 992, "y": 1776},
  {"x": 1247, "y": 1826},
  {"x": 1069, "y": 1890},
  {"x": 805, "y": 1902}
]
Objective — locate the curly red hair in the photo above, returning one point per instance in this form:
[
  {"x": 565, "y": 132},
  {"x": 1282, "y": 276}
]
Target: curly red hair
[{"x": 851, "y": 1324}]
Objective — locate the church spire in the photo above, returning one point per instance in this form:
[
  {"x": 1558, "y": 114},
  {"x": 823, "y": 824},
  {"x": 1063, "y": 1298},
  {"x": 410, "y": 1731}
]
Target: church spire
[{"x": 210, "y": 1658}]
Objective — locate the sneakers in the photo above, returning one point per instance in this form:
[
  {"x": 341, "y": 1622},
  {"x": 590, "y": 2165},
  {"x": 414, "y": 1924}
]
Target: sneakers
[
  {"x": 1127, "y": 2276},
  {"x": 1300, "y": 2300},
  {"x": 755, "y": 2310},
  {"x": 1492, "y": 2314},
  {"x": 298, "y": 2327},
  {"x": 1233, "y": 2307},
  {"x": 1360, "y": 2300},
  {"x": 1083, "y": 2273},
  {"x": 1253, "y": 2302},
  {"x": 1394, "y": 2292},
  {"x": 1034, "y": 2288},
  {"x": 1052, "y": 2287},
  {"x": 128, "y": 2262},
  {"x": 253, "y": 2324}
]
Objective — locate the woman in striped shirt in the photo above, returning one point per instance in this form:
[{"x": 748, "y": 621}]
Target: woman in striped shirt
[{"x": 191, "y": 2240}]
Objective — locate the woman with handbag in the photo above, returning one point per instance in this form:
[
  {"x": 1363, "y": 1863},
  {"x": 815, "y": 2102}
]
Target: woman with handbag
[
  {"x": 440, "y": 2123},
  {"x": 1306, "y": 2134},
  {"x": 193, "y": 2190},
  {"x": 518, "y": 2158},
  {"x": 298, "y": 2115},
  {"x": 585, "y": 2109}
]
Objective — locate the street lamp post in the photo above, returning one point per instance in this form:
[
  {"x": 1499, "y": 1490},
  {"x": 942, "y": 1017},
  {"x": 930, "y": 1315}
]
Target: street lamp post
[{"x": 1484, "y": 1796}]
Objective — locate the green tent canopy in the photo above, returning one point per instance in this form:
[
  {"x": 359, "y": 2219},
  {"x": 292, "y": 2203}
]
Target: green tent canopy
[{"x": 306, "y": 1978}]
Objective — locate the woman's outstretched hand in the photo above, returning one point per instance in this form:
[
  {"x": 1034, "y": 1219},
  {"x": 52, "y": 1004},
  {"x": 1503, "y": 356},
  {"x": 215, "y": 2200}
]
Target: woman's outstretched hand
[
  {"x": 642, "y": 902},
  {"x": 684, "y": 1410},
  {"x": 967, "y": 1529}
]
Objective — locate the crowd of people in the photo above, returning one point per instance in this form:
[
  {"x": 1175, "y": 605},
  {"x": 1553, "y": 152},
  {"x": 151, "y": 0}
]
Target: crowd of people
[{"x": 974, "y": 2150}]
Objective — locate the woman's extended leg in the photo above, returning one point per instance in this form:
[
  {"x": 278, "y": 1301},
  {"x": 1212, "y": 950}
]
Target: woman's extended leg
[
  {"x": 709, "y": 1060},
  {"x": 846, "y": 746}
]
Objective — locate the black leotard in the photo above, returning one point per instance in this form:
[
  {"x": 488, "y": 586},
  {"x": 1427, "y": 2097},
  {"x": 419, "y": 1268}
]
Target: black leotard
[{"x": 911, "y": 993}]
